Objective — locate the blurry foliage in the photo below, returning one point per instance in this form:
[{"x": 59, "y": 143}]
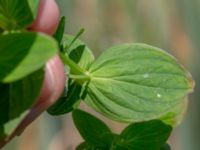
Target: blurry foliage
[{"x": 189, "y": 11}]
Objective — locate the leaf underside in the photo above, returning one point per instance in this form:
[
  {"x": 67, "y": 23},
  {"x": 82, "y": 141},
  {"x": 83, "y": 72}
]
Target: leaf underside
[{"x": 136, "y": 82}]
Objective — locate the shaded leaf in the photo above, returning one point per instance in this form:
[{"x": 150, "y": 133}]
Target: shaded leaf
[
  {"x": 90, "y": 128},
  {"x": 149, "y": 135},
  {"x": 24, "y": 93},
  {"x": 68, "y": 101},
  {"x": 58, "y": 35},
  {"x": 17, "y": 14},
  {"x": 166, "y": 147},
  {"x": 17, "y": 98},
  {"x": 4, "y": 107},
  {"x": 86, "y": 146},
  {"x": 23, "y": 54}
]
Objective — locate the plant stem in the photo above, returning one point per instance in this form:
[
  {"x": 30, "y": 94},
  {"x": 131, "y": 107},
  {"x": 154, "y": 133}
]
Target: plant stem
[
  {"x": 76, "y": 72},
  {"x": 79, "y": 77}
]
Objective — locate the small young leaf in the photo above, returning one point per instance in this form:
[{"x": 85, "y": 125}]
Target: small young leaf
[
  {"x": 90, "y": 128},
  {"x": 82, "y": 56},
  {"x": 150, "y": 135},
  {"x": 78, "y": 52},
  {"x": 17, "y": 14},
  {"x": 141, "y": 81},
  {"x": 58, "y": 35},
  {"x": 75, "y": 38},
  {"x": 23, "y": 54},
  {"x": 67, "y": 102}
]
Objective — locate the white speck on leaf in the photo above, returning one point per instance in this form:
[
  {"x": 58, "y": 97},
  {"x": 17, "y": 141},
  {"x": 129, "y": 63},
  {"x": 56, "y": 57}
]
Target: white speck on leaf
[
  {"x": 146, "y": 75},
  {"x": 158, "y": 95}
]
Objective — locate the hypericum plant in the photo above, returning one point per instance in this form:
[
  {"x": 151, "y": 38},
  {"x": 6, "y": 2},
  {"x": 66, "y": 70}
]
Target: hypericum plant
[{"x": 138, "y": 84}]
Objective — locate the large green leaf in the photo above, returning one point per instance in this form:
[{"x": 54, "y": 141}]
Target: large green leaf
[
  {"x": 23, "y": 54},
  {"x": 17, "y": 14},
  {"x": 151, "y": 135},
  {"x": 82, "y": 56},
  {"x": 17, "y": 98},
  {"x": 136, "y": 82},
  {"x": 91, "y": 129},
  {"x": 24, "y": 93}
]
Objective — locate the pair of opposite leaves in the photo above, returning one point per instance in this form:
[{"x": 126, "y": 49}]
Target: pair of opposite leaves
[{"x": 139, "y": 80}]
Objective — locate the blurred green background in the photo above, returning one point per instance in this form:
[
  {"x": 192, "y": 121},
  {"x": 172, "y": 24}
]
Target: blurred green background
[{"x": 173, "y": 25}]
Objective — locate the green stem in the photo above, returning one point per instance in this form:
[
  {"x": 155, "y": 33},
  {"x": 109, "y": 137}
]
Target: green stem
[
  {"x": 76, "y": 72},
  {"x": 79, "y": 77}
]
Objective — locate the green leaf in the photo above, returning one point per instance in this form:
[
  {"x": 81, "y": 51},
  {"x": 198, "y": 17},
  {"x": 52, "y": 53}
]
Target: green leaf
[
  {"x": 17, "y": 14},
  {"x": 23, "y": 54},
  {"x": 78, "y": 52},
  {"x": 58, "y": 35},
  {"x": 176, "y": 114},
  {"x": 17, "y": 98},
  {"x": 91, "y": 129},
  {"x": 150, "y": 135},
  {"x": 82, "y": 56},
  {"x": 24, "y": 93},
  {"x": 166, "y": 147},
  {"x": 141, "y": 81},
  {"x": 68, "y": 101},
  {"x": 108, "y": 139}
]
